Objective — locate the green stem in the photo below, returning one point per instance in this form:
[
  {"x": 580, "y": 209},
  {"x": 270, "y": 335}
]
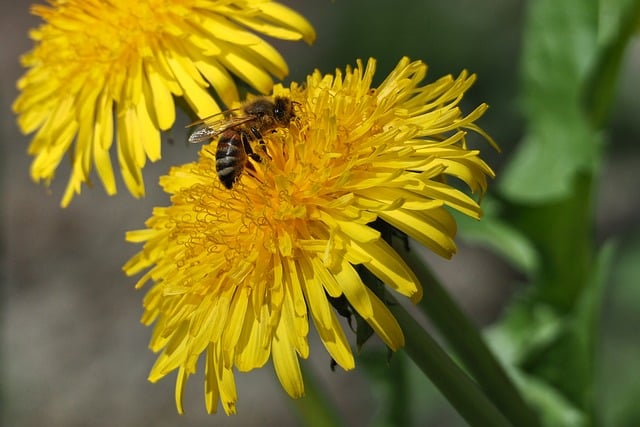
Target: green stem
[
  {"x": 464, "y": 394},
  {"x": 469, "y": 346}
]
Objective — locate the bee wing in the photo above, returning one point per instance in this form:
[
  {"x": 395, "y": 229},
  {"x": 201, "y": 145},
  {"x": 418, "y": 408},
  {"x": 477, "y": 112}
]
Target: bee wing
[{"x": 212, "y": 126}]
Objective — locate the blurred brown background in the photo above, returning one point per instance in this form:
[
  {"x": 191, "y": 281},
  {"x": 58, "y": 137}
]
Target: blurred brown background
[{"x": 73, "y": 350}]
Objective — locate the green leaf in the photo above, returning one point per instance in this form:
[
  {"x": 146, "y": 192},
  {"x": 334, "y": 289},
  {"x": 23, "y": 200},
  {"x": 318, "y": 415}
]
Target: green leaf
[
  {"x": 555, "y": 410},
  {"x": 500, "y": 236},
  {"x": 619, "y": 21},
  {"x": 559, "y": 143},
  {"x": 562, "y": 234},
  {"x": 556, "y": 349},
  {"x": 526, "y": 329}
]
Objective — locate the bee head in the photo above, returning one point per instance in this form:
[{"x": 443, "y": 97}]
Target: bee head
[{"x": 283, "y": 110}]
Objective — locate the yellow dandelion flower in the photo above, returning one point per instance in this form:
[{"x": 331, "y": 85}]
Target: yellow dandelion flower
[
  {"x": 238, "y": 273},
  {"x": 101, "y": 69}
]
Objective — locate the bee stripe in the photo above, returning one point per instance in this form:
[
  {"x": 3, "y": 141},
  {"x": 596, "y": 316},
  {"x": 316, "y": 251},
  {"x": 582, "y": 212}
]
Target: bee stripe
[
  {"x": 226, "y": 171},
  {"x": 224, "y": 162}
]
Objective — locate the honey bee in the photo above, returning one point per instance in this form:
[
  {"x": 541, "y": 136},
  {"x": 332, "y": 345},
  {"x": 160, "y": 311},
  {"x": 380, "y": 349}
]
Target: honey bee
[{"x": 235, "y": 133}]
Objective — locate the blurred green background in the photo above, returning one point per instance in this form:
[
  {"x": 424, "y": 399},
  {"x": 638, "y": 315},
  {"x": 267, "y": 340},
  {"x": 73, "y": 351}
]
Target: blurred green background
[{"x": 73, "y": 350}]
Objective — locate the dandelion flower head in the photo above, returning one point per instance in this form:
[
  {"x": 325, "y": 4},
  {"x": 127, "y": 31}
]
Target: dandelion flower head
[
  {"x": 238, "y": 274},
  {"x": 101, "y": 69}
]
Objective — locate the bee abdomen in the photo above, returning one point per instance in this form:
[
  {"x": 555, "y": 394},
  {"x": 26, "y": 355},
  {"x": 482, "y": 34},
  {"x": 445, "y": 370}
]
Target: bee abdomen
[{"x": 230, "y": 158}]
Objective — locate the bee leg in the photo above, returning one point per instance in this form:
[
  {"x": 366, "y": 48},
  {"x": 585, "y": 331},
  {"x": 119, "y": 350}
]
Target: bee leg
[
  {"x": 257, "y": 135},
  {"x": 249, "y": 151},
  {"x": 249, "y": 166}
]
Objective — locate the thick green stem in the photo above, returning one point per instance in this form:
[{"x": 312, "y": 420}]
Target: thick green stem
[
  {"x": 469, "y": 346},
  {"x": 453, "y": 383}
]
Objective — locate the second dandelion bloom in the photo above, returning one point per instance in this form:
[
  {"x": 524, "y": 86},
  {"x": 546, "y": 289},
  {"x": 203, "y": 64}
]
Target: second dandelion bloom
[
  {"x": 239, "y": 274},
  {"x": 105, "y": 70}
]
